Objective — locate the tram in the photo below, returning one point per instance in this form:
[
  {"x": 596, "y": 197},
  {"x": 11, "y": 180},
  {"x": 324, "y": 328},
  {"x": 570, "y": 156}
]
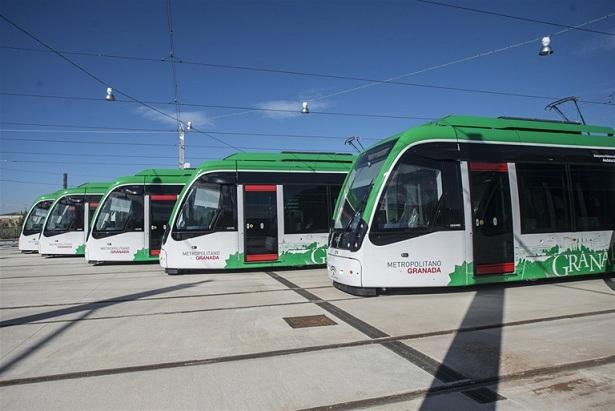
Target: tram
[
  {"x": 133, "y": 214},
  {"x": 470, "y": 200},
  {"x": 33, "y": 223},
  {"x": 253, "y": 210},
  {"x": 68, "y": 220}
]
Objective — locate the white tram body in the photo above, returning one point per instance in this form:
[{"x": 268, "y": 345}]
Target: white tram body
[
  {"x": 255, "y": 210},
  {"x": 33, "y": 223},
  {"x": 133, "y": 215},
  {"x": 67, "y": 223},
  {"x": 468, "y": 200}
]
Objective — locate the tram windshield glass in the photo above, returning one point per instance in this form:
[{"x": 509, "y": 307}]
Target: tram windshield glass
[
  {"x": 208, "y": 207},
  {"x": 360, "y": 182},
  {"x": 412, "y": 198},
  {"x": 36, "y": 218},
  {"x": 67, "y": 215},
  {"x": 122, "y": 211}
]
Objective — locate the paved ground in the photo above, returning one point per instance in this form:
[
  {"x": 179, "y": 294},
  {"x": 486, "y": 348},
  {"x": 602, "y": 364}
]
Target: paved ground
[{"x": 130, "y": 337}]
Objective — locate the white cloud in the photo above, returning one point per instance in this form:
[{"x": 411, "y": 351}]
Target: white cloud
[
  {"x": 290, "y": 108},
  {"x": 198, "y": 118},
  {"x": 598, "y": 44}
]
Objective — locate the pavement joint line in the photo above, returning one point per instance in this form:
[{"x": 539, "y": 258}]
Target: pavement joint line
[
  {"x": 34, "y": 277},
  {"x": 269, "y": 354},
  {"x": 426, "y": 363},
  {"x": 585, "y": 289},
  {"x": 25, "y": 340},
  {"x": 76, "y": 264},
  {"x": 49, "y": 280},
  {"x": 10, "y": 323},
  {"x": 437, "y": 369},
  {"x": 284, "y": 352},
  {"x": 455, "y": 387},
  {"x": 20, "y": 307}
]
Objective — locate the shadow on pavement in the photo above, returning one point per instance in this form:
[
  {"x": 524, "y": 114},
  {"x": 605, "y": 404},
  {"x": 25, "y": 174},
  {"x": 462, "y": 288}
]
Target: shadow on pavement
[
  {"x": 87, "y": 308},
  {"x": 475, "y": 354}
]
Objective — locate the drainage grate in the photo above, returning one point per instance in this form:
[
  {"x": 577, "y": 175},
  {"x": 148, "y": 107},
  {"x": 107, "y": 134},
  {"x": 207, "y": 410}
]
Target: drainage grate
[
  {"x": 484, "y": 395},
  {"x": 309, "y": 321}
]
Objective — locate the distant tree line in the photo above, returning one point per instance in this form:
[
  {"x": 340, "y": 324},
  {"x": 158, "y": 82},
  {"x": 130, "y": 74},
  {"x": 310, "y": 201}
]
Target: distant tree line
[{"x": 11, "y": 227}]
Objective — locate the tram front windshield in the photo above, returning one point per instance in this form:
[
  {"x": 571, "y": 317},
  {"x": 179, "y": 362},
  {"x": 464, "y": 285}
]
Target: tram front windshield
[
  {"x": 121, "y": 211},
  {"x": 67, "y": 215},
  {"x": 36, "y": 218},
  {"x": 360, "y": 182},
  {"x": 208, "y": 207}
]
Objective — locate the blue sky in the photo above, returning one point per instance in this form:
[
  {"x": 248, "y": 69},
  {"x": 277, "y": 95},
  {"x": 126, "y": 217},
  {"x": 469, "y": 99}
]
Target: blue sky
[{"x": 369, "y": 39}]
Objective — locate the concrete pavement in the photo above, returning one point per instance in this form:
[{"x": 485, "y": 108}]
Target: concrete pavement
[{"x": 74, "y": 336}]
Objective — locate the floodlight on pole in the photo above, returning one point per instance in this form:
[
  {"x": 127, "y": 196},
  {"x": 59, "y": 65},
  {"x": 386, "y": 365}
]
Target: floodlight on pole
[
  {"x": 110, "y": 96},
  {"x": 305, "y": 108},
  {"x": 545, "y": 48}
]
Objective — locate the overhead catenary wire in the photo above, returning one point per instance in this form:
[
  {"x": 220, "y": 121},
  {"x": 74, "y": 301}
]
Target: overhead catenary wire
[
  {"x": 218, "y": 106},
  {"x": 463, "y": 59},
  {"x": 145, "y": 144},
  {"x": 172, "y": 60},
  {"x": 391, "y": 81},
  {"x": 95, "y": 155},
  {"x": 103, "y": 82},
  {"x": 105, "y": 163},
  {"x": 146, "y": 133},
  {"x": 30, "y": 182},
  {"x": 75, "y": 128},
  {"x": 23, "y": 170},
  {"x": 527, "y": 19}
]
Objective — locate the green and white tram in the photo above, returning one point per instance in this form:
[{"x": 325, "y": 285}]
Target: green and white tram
[
  {"x": 66, "y": 225},
  {"x": 253, "y": 210},
  {"x": 33, "y": 223},
  {"x": 133, "y": 214},
  {"x": 469, "y": 200}
]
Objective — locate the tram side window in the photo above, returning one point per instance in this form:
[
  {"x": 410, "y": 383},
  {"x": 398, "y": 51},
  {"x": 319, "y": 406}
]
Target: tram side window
[
  {"x": 305, "y": 209},
  {"x": 421, "y": 196},
  {"x": 207, "y": 208},
  {"x": 593, "y": 191},
  {"x": 93, "y": 201},
  {"x": 543, "y": 198}
]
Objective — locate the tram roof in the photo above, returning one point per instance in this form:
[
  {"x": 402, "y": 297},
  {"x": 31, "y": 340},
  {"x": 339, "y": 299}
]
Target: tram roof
[
  {"x": 285, "y": 160},
  {"x": 509, "y": 130},
  {"x": 85, "y": 188},
  {"x": 48, "y": 196},
  {"x": 156, "y": 176}
]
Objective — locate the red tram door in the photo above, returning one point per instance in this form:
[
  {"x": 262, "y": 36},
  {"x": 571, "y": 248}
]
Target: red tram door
[
  {"x": 491, "y": 219},
  {"x": 260, "y": 213}
]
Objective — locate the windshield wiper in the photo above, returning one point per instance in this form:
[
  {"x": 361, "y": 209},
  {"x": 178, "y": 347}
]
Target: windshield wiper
[{"x": 359, "y": 209}]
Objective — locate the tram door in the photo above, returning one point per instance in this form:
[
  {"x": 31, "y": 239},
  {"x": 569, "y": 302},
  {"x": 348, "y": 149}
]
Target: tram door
[
  {"x": 160, "y": 207},
  {"x": 260, "y": 223},
  {"x": 491, "y": 218}
]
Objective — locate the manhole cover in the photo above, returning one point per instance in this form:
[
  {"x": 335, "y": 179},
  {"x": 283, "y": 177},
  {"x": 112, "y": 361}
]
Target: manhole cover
[{"x": 309, "y": 321}]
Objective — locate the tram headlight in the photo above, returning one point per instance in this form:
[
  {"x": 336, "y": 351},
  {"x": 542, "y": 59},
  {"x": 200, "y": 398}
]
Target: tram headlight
[
  {"x": 357, "y": 236},
  {"x": 165, "y": 235}
]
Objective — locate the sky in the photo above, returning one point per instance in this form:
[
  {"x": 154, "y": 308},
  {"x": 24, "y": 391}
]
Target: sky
[{"x": 365, "y": 39}]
